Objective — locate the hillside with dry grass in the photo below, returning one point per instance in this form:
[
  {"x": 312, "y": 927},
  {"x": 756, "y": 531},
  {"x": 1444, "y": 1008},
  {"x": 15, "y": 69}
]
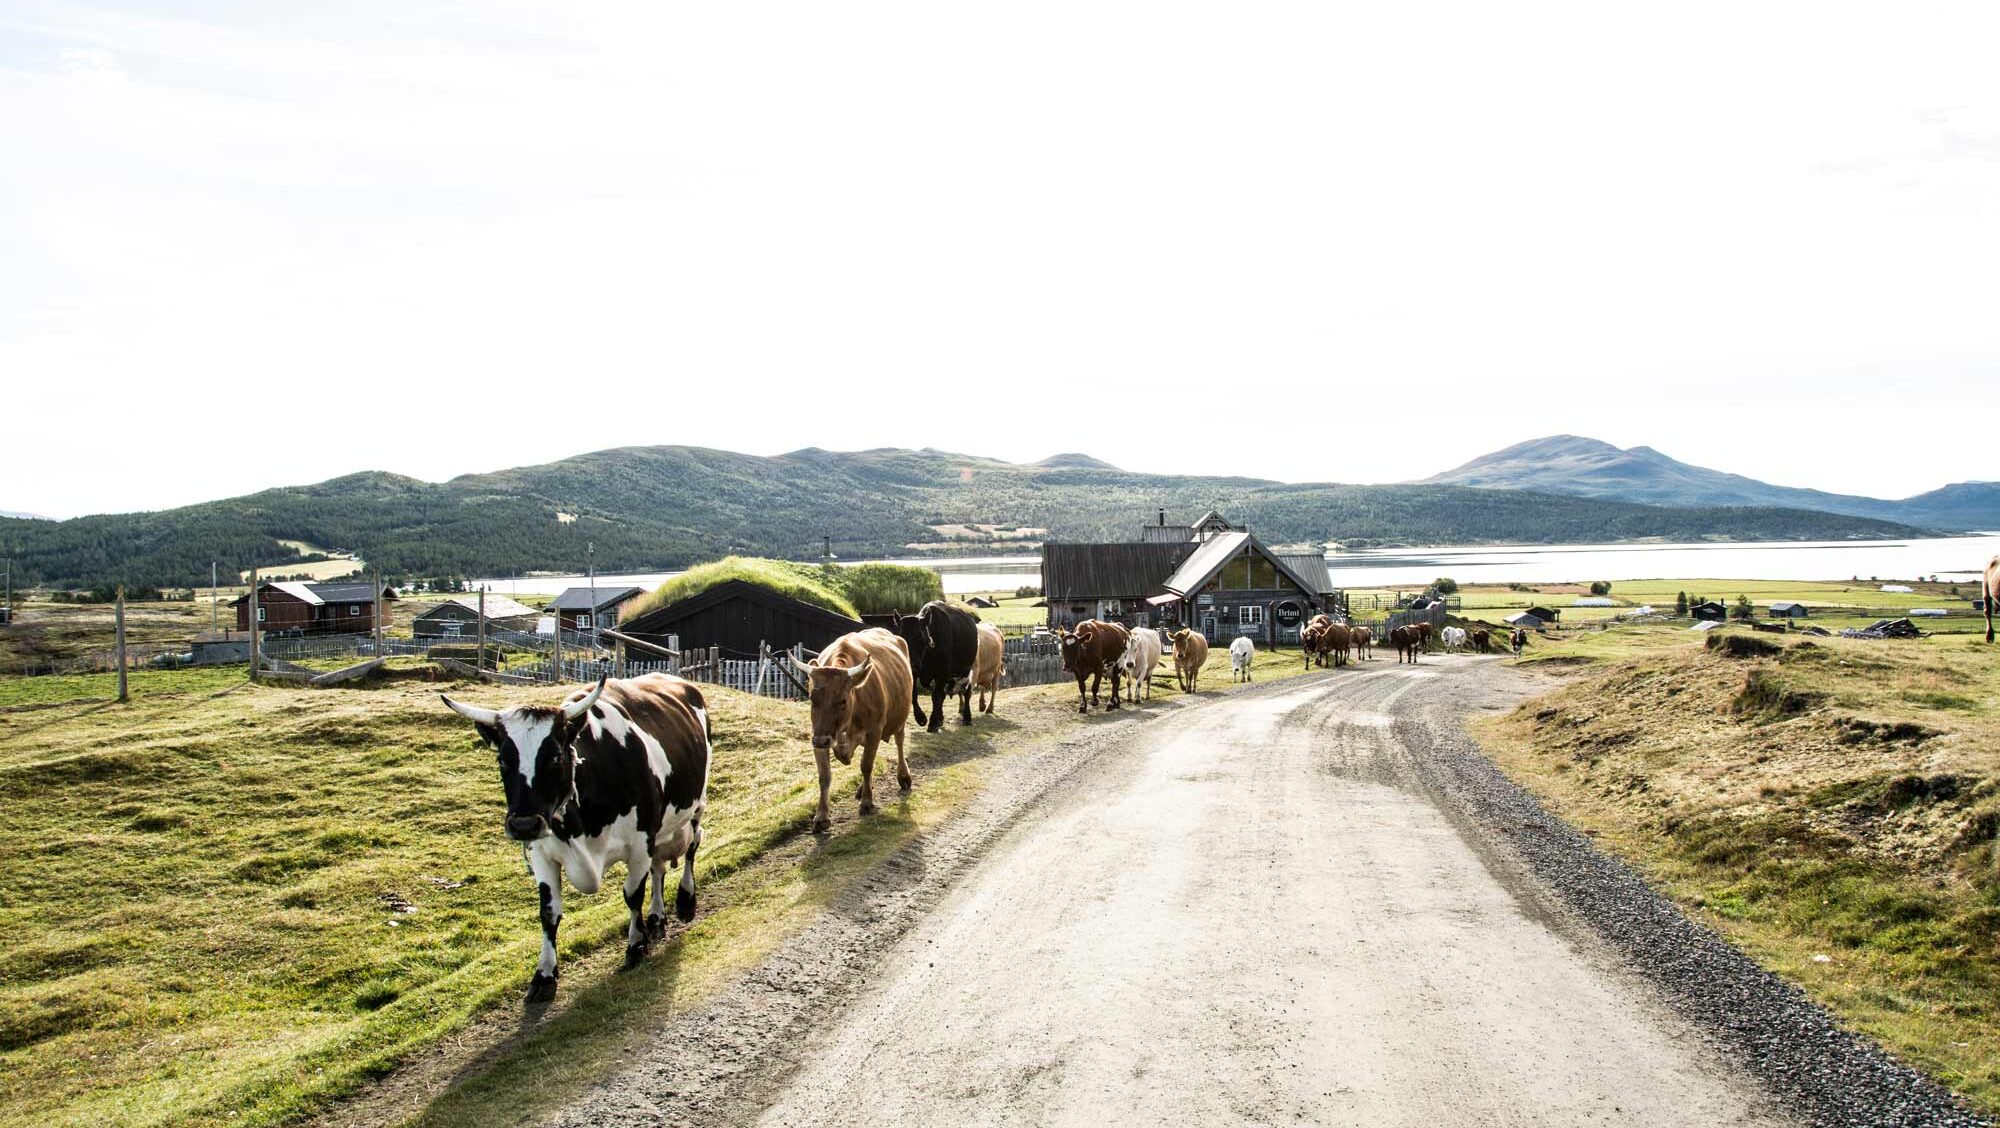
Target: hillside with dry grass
[{"x": 1830, "y": 805}]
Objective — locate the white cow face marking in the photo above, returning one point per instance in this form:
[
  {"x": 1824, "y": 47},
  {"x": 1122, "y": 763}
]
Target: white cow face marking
[{"x": 537, "y": 765}]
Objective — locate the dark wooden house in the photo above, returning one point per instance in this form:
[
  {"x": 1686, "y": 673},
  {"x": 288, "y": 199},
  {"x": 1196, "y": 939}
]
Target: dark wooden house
[
  {"x": 1786, "y": 609},
  {"x": 583, "y": 610},
  {"x": 737, "y": 615},
  {"x": 458, "y": 617},
  {"x": 1709, "y": 612},
  {"x": 293, "y": 607}
]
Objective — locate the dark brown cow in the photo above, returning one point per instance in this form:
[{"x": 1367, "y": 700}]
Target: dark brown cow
[
  {"x": 1408, "y": 642},
  {"x": 1364, "y": 643},
  {"x": 858, "y": 685},
  {"x": 1090, "y": 652},
  {"x": 1336, "y": 643},
  {"x": 1482, "y": 640},
  {"x": 1425, "y": 631}
]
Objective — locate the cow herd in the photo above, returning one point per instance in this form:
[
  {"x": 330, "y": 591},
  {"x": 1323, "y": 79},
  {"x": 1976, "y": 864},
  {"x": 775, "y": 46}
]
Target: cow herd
[{"x": 619, "y": 772}]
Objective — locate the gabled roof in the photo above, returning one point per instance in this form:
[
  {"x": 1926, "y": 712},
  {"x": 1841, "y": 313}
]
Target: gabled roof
[
  {"x": 1110, "y": 571},
  {"x": 1520, "y": 617},
  {"x": 316, "y": 594},
  {"x": 1166, "y": 534},
  {"x": 1218, "y": 550},
  {"x": 1311, "y": 567},
  {"x": 578, "y": 598},
  {"x": 1786, "y": 605},
  {"x": 660, "y": 620},
  {"x": 497, "y": 606}
]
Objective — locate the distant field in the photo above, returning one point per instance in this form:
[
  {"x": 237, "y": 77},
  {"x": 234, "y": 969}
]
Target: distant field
[
  {"x": 1828, "y": 804},
  {"x": 1013, "y": 611}
]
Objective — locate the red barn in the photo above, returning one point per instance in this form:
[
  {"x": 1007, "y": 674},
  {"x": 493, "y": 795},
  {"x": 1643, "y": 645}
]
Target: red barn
[{"x": 303, "y": 608}]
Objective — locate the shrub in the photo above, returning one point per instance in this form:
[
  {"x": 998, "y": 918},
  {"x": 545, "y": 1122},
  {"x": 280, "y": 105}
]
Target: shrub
[
  {"x": 1600, "y": 587},
  {"x": 1445, "y": 585},
  {"x": 878, "y": 589},
  {"x": 1741, "y": 646},
  {"x": 1027, "y": 591},
  {"x": 1744, "y": 609}
]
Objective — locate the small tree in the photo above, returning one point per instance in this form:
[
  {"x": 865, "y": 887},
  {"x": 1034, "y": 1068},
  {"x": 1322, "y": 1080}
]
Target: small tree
[
  {"x": 1445, "y": 585},
  {"x": 1681, "y": 604},
  {"x": 1744, "y": 609},
  {"x": 1600, "y": 587}
]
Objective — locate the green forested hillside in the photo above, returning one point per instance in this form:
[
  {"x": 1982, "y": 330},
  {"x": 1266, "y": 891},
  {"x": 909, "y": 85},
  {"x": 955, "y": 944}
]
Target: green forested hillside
[{"x": 663, "y": 507}]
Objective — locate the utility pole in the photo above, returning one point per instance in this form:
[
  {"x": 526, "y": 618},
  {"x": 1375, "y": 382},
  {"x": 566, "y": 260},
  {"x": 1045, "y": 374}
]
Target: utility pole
[
  {"x": 590, "y": 566},
  {"x": 826, "y": 552},
  {"x": 214, "y": 600},
  {"x": 378, "y": 614},
  {"x": 481, "y": 660},
  {"x": 123, "y": 695},
  {"x": 251, "y": 607}
]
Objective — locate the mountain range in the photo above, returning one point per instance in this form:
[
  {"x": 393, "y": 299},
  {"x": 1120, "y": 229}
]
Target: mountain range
[
  {"x": 1581, "y": 467},
  {"x": 656, "y": 507}
]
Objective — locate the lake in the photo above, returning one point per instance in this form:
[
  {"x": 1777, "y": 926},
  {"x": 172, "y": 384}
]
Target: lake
[{"x": 1949, "y": 558}]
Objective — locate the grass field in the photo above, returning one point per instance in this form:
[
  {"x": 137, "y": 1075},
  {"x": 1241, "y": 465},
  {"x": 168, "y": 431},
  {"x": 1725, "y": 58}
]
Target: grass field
[
  {"x": 232, "y": 903},
  {"x": 1829, "y": 805}
]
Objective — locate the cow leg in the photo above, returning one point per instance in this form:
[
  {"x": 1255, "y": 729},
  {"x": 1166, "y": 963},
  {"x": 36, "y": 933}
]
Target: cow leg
[
  {"x": 636, "y": 939},
  {"x": 656, "y": 921},
  {"x": 1082, "y": 695},
  {"x": 902, "y": 769},
  {"x": 866, "y": 792},
  {"x": 1096, "y": 683},
  {"x": 1114, "y": 687},
  {"x": 548, "y": 887},
  {"x": 684, "y": 896},
  {"x": 938, "y": 692},
  {"x": 965, "y": 703},
  {"x": 823, "y": 756},
  {"x": 916, "y": 706}
]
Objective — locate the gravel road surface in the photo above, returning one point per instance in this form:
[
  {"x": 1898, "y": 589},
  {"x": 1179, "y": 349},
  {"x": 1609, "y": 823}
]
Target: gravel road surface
[{"x": 1311, "y": 903}]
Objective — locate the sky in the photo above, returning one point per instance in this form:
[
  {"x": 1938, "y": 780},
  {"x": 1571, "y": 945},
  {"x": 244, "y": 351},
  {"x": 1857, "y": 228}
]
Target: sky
[{"x": 246, "y": 245}]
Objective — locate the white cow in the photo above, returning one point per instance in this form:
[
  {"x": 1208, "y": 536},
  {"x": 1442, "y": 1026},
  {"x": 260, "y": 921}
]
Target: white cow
[
  {"x": 1142, "y": 654},
  {"x": 1454, "y": 638},
  {"x": 1240, "y": 653}
]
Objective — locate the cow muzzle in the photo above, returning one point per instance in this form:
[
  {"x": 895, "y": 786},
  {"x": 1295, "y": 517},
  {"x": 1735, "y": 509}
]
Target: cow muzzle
[{"x": 526, "y": 828}]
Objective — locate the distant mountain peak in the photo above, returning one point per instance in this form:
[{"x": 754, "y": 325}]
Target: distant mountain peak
[{"x": 1073, "y": 461}]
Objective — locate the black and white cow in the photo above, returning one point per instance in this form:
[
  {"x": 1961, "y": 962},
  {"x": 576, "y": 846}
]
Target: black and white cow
[
  {"x": 618, "y": 773},
  {"x": 943, "y": 641}
]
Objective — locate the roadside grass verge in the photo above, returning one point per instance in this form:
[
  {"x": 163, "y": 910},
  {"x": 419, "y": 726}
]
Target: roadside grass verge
[
  {"x": 236, "y": 903},
  {"x": 1831, "y": 808}
]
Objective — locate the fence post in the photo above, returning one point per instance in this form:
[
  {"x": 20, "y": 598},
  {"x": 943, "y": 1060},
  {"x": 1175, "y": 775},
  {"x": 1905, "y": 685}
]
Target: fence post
[
  {"x": 481, "y": 660},
  {"x": 558, "y": 637},
  {"x": 251, "y": 607},
  {"x": 123, "y": 696},
  {"x": 378, "y": 616}
]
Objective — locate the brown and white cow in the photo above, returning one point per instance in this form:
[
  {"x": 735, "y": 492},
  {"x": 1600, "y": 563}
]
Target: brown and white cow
[
  {"x": 1408, "y": 641},
  {"x": 1990, "y": 586},
  {"x": 1091, "y": 653},
  {"x": 617, "y": 773},
  {"x": 1364, "y": 643},
  {"x": 858, "y": 685},
  {"x": 1190, "y": 654},
  {"x": 1310, "y": 638},
  {"x": 987, "y": 666}
]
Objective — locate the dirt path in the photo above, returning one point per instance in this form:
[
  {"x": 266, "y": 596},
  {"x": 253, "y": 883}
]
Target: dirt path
[{"x": 1299, "y": 904}]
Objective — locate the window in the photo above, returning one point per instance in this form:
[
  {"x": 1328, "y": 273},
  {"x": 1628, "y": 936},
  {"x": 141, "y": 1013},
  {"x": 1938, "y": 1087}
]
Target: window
[
  {"x": 583, "y": 620},
  {"x": 260, "y": 614},
  {"x": 1250, "y": 615},
  {"x": 353, "y": 609}
]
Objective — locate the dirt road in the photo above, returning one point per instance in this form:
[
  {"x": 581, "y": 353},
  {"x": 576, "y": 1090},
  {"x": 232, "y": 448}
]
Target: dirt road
[
  {"x": 1258, "y": 914},
  {"x": 1313, "y": 902}
]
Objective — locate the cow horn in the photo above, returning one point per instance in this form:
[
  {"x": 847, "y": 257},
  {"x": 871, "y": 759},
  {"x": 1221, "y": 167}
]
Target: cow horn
[
  {"x": 578, "y": 708},
  {"x": 857, "y": 674},
  {"x": 805, "y": 669},
  {"x": 473, "y": 713}
]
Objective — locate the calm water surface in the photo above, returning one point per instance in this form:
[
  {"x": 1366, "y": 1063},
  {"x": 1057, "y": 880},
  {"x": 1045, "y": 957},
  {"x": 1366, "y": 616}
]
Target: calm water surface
[{"x": 1950, "y": 558}]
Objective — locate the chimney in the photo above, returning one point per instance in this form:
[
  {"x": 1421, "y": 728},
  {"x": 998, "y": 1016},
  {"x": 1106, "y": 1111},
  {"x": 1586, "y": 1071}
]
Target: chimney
[{"x": 1163, "y": 517}]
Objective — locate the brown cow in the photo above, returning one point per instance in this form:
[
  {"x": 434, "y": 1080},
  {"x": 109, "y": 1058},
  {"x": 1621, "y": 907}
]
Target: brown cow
[
  {"x": 1424, "y": 633},
  {"x": 1339, "y": 637},
  {"x": 1408, "y": 642},
  {"x": 1989, "y": 586},
  {"x": 988, "y": 664},
  {"x": 1090, "y": 652},
  {"x": 1309, "y": 639},
  {"x": 858, "y": 685},
  {"x": 1482, "y": 640},
  {"x": 1190, "y": 655},
  {"x": 1364, "y": 643}
]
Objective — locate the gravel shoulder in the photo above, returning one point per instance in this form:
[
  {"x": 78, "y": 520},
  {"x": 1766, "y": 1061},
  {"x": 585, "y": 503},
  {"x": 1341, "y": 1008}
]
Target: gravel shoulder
[{"x": 1314, "y": 901}]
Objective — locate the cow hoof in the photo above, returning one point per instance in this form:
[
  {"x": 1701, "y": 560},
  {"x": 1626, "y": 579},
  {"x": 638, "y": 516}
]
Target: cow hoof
[
  {"x": 903, "y": 782},
  {"x": 938, "y": 727},
  {"x": 635, "y": 954},
  {"x": 867, "y": 808},
  {"x": 542, "y": 988},
  {"x": 684, "y": 904},
  {"x": 656, "y": 927}
]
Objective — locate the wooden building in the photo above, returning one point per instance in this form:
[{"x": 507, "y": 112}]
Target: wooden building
[
  {"x": 1709, "y": 612},
  {"x": 292, "y": 607},
  {"x": 582, "y": 609},
  {"x": 1211, "y": 576},
  {"x": 1786, "y": 609},
  {"x": 458, "y": 617},
  {"x": 737, "y": 615}
]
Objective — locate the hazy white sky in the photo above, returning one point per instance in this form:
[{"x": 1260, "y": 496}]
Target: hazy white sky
[{"x": 248, "y": 244}]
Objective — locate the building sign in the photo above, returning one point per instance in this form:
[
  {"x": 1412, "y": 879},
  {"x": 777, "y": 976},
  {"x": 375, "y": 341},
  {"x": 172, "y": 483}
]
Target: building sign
[
  {"x": 1206, "y": 600},
  {"x": 1287, "y": 614}
]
